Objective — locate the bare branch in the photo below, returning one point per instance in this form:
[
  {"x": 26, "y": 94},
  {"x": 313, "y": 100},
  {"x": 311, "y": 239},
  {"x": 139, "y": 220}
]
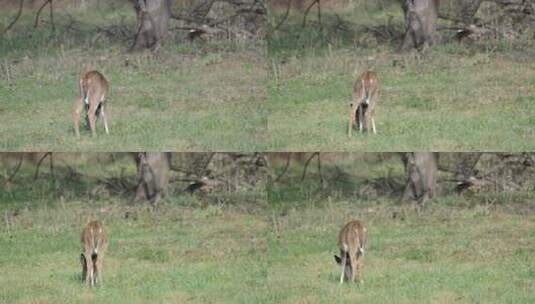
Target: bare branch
[
  {"x": 12, "y": 175},
  {"x": 284, "y": 18},
  {"x": 36, "y": 175},
  {"x": 38, "y": 15},
  {"x": 288, "y": 157},
  {"x": 19, "y": 13},
  {"x": 307, "y": 10}
]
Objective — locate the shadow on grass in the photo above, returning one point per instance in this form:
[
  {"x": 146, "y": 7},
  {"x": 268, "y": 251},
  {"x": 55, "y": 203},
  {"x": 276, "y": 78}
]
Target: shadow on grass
[
  {"x": 333, "y": 31},
  {"x": 338, "y": 184},
  {"x": 71, "y": 29}
]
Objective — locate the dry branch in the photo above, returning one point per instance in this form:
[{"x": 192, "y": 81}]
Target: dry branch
[{"x": 19, "y": 13}]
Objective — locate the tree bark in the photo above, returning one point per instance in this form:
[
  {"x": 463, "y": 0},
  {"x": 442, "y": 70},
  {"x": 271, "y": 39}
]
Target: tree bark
[
  {"x": 420, "y": 23},
  {"x": 421, "y": 169},
  {"x": 153, "y": 176},
  {"x": 153, "y": 22}
]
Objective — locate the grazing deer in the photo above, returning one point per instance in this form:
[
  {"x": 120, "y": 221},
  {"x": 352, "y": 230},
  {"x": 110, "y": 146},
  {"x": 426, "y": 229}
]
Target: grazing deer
[
  {"x": 92, "y": 98},
  {"x": 94, "y": 244},
  {"x": 365, "y": 91},
  {"x": 351, "y": 241}
]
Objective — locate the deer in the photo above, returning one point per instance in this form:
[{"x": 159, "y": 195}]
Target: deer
[
  {"x": 352, "y": 241},
  {"x": 94, "y": 244},
  {"x": 92, "y": 97},
  {"x": 364, "y": 98}
]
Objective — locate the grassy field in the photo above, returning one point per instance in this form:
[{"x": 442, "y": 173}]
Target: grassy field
[
  {"x": 181, "y": 252},
  {"x": 460, "y": 250},
  {"x": 448, "y": 256},
  {"x": 466, "y": 249},
  {"x": 193, "y": 97},
  {"x": 176, "y": 255},
  {"x": 455, "y": 97}
]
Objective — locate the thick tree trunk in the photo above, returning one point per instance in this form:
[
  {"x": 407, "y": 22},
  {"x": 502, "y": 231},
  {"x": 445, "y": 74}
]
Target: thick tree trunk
[
  {"x": 420, "y": 23},
  {"x": 153, "y": 176},
  {"x": 421, "y": 169},
  {"x": 153, "y": 21}
]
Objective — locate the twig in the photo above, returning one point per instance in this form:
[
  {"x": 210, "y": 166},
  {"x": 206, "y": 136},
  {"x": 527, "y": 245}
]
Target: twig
[
  {"x": 52, "y": 165},
  {"x": 207, "y": 163},
  {"x": 7, "y": 72},
  {"x": 39, "y": 12},
  {"x": 10, "y": 178},
  {"x": 284, "y": 18},
  {"x": 308, "y": 10},
  {"x": 19, "y": 13},
  {"x": 306, "y": 164},
  {"x": 319, "y": 20},
  {"x": 52, "y": 21},
  {"x": 6, "y": 218},
  {"x": 36, "y": 175},
  {"x": 289, "y": 156},
  {"x": 319, "y": 170}
]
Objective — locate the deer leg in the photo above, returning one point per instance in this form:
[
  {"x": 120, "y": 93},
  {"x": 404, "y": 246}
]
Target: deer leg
[
  {"x": 104, "y": 119},
  {"x": 84, "y": 267},
  {"x": 96, "y": 278},
  {"x": 351, "y": 121},
  {"x": 76, "y": 111},
  {"x": 358, "y": 271},
  {"x": 91, "y": 114},
  {"x": 343, "y": 264},
  {"x": 90, "y": 274},
  {"x": 361, "y": 118},
  {"x": 353, "y": 260}
]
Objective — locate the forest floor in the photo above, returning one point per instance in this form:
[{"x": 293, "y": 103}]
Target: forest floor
[
  {"x": 192, "y": 97},
  {"x": 454, "y": 97}
]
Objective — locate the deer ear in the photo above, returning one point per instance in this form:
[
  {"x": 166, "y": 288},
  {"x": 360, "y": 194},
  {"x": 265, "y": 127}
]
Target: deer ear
[{"x": 337, "y": 259}]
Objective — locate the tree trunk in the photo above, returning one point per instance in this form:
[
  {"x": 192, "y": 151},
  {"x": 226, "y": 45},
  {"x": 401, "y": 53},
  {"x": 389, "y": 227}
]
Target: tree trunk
[
  {"x": 420, "y": 23},
  {"x": 421, "y": 169},
  {"x": 153, "y": 176},
  {"x": 152, "y": 21}
]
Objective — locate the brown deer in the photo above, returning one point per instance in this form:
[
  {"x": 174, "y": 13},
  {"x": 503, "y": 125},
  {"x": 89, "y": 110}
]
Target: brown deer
[
  {"x": 94, "y": 244},
  {"x": 351, "y": 242},
  {"x": 92, "y": 98},
  {"x": 364, "y": 99}
]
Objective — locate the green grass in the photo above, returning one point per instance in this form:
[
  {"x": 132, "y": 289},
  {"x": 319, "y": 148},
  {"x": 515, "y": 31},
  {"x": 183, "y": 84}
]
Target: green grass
[
  {"x": 179, "y": 252},
  {"x": 175, "y": 255},
  {"x": 453, "y": 98},
  {"x": 446, "y": 256},
  {"x": 193, "y": 97},
  {"x": 281, "y": 251},
  {"x": 471, "y": 248}
]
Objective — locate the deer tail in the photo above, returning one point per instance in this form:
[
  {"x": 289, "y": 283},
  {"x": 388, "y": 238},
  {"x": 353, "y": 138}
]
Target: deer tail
[{"x": 95, "y": 245}]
